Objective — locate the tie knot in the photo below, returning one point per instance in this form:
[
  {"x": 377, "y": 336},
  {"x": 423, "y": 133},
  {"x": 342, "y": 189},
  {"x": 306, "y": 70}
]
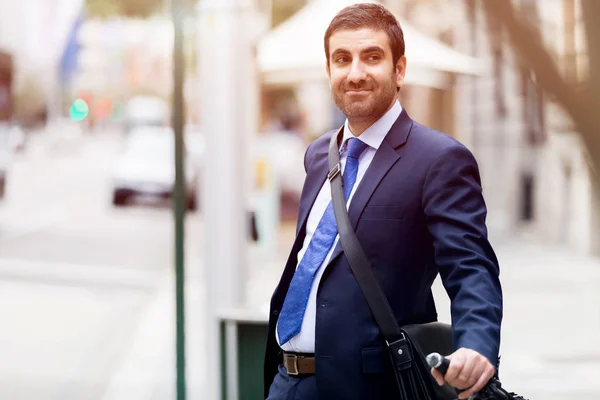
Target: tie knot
[{"x": 356, "y": 148}]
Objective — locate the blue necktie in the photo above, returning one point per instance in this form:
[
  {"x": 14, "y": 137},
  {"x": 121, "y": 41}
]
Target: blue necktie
[{"x": 294, "y": 306}]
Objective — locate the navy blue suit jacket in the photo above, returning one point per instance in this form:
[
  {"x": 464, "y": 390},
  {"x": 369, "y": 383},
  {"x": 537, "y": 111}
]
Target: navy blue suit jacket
[{"x": 418, "y": 211}]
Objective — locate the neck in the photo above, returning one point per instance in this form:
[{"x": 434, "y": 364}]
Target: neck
[{"x": 360, "y": 124}]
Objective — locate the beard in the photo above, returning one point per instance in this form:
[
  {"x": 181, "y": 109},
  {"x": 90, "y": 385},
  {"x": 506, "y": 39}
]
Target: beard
[{"x": 370, "y": 106}]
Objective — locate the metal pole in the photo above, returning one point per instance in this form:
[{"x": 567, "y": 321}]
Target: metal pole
[{"x": 179, "y": 198}]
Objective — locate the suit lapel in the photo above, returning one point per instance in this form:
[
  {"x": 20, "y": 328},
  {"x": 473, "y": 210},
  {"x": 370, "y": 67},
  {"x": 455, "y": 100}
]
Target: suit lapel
[{"x": 385, "y": 158}]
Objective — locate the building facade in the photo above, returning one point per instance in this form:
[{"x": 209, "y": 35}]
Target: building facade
[{"x": 535, "y": 173}]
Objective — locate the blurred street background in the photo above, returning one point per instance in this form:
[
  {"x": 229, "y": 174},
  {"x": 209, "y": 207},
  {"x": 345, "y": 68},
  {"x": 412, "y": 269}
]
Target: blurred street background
[{"x": 87, "y": 234}]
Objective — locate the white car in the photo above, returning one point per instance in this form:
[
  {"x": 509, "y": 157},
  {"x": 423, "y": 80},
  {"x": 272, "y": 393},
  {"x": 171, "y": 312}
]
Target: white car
[
  {"x": 146, "y": 168},
  {"x": 146, "y": 110}
]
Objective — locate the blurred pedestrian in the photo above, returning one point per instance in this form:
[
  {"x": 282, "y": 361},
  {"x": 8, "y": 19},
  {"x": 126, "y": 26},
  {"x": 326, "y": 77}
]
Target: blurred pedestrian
[{"x": 415, "y": 202}]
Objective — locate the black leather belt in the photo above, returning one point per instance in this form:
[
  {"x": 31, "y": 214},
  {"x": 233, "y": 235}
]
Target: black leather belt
[{"x": 299, "y": 364}]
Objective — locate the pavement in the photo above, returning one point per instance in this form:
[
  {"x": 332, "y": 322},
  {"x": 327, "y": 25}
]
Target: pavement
[
  {"x": 87, "y": 293},
  {"x": 550, "y": 347},
  {"x": 77, "y": 275},
  {"x": 551, "y": 326}
]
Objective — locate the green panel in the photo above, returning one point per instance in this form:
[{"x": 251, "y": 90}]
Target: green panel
[{"x": 252, "y": 341}]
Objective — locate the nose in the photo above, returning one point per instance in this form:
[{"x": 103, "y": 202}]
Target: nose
[{"x": 357, "y": 73}]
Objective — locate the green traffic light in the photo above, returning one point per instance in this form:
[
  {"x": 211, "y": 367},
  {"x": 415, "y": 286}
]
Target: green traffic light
[{"x": 79, "y": 110}]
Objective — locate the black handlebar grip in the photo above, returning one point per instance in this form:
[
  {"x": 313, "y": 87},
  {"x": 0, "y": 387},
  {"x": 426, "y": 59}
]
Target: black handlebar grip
[{"x": 438, "y": 362}]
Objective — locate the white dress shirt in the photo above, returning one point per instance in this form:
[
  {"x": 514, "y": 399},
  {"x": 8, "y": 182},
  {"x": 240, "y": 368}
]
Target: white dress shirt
[{"x": 304, "y": 342}]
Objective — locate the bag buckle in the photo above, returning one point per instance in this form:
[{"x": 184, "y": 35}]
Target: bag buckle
[
  {"x": 334, "y": 172},
  {"x": 402, "y": 338},
  {"x": 400, "y": 353}
]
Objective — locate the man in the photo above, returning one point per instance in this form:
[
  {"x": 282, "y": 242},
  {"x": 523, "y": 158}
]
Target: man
[{"x": 417, "y": 208}]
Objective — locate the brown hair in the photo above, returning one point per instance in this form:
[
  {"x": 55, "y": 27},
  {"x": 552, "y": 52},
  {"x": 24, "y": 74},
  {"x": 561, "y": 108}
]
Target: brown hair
[{"x": 368, "y": 15}]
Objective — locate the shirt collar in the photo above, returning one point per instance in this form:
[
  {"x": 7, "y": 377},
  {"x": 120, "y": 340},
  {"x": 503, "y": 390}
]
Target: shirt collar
[{"x": 374, "y": 134}]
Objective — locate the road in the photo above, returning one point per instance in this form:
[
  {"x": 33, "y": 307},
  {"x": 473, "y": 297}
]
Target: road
[
  {"x": 86, "y": 292},
  {"x": 76, "y": 273}
]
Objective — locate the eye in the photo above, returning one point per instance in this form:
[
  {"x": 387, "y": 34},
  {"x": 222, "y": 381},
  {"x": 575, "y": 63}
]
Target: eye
[
  {"x": 374, "y": 57},
  {"x": 342, "y": 59}
]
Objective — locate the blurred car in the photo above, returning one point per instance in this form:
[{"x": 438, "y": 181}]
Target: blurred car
[
  {"x": 146, "y": 168},
  {"x": 146, "y": 111}
]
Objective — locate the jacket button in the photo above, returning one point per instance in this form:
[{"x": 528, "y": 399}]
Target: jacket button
[{"x": 275, "y": 312}]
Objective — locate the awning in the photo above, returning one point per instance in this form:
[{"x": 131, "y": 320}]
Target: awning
[{"x": 293, "y": 52}]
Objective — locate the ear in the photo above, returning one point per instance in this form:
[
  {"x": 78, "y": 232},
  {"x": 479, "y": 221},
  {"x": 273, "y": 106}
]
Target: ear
[{"x": 400, "y": 71}]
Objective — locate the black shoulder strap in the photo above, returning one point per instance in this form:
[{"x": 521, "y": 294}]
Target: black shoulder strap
[{"x": 360, "y": 265}]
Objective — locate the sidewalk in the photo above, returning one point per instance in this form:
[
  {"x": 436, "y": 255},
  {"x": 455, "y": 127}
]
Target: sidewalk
[
  {"x": 551, "y": 326},
  {"x": 550, "y": 348},
  {"x": 65, "y": 326},
  {"x": 147, "y": 370}
]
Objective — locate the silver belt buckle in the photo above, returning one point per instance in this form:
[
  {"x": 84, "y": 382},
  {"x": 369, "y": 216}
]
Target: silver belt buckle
[{"x": 294, "y": 364}]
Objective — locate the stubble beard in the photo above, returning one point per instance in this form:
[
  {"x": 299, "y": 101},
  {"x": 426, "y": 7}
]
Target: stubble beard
[{"x": 370, "y": 108}]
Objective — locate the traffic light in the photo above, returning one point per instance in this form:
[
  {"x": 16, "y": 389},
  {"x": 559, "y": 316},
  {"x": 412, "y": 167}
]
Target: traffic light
[{"x": 79, "y": 110}]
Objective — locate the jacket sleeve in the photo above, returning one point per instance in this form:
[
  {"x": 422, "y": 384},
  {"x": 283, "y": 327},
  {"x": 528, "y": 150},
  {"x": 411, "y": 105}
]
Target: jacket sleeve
[{"x": 455, "y": 212}]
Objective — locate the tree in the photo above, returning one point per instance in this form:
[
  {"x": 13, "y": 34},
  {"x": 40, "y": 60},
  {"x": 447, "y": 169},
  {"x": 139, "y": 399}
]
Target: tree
[
  {"x": 128, "y": 8},
  {"x": 578, "y": 99}
]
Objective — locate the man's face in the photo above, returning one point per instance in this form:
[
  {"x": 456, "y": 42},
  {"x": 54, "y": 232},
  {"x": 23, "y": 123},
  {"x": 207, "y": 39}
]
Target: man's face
[{"x": 362, "y": 75}]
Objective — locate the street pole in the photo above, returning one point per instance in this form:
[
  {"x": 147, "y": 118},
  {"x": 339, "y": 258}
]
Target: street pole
[{"x": 179, "y": 198}]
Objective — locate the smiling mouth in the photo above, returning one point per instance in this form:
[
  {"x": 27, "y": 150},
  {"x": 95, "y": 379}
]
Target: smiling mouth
[{"x": 357, "y": 91}]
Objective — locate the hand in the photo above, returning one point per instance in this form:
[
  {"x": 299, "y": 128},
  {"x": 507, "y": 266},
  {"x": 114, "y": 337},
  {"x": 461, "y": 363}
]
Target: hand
[{"x": 468, "y": 370}]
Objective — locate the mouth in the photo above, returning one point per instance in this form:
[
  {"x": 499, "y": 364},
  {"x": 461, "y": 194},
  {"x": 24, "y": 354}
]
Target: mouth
[{"x": 360, "y": 91}]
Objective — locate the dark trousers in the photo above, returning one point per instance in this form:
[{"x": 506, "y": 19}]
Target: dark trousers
[{"x": 285, "y": 387}]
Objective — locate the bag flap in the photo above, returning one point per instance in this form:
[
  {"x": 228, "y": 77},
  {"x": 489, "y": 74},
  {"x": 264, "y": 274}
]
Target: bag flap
[{"x": 429, "y": 338}]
